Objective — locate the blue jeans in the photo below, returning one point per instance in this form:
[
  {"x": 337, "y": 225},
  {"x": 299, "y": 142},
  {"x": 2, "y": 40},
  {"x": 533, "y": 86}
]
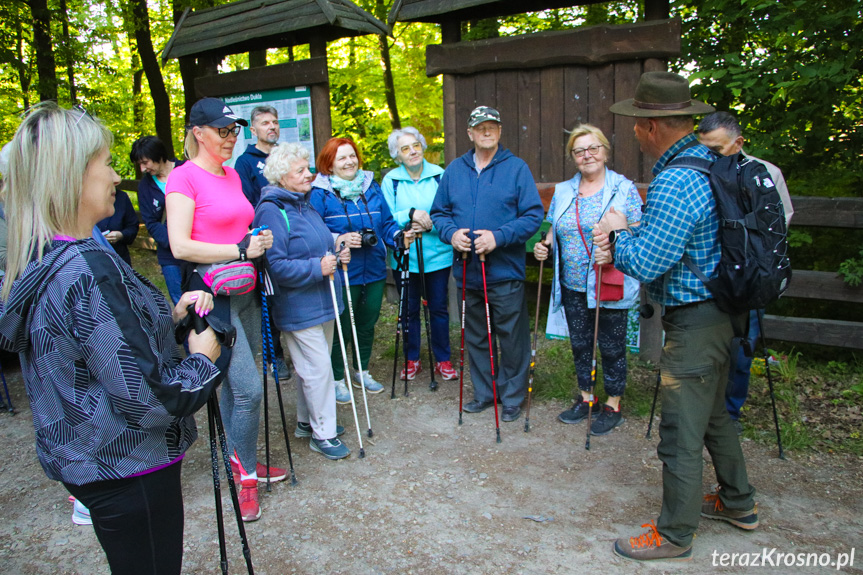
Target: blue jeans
[
  {"x": 173, "y": 279},
  {"x": 436, "y": 289},
  {"x": 738, "y": 377}
]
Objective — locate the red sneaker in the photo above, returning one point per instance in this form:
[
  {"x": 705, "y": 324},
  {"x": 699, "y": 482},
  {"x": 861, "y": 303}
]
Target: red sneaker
[
  {"x": 446, "y": 370},
  {"x": 250, "y": 510},
  {"x": 414, "y": 367},
  {"x": 276, "y": 473}
]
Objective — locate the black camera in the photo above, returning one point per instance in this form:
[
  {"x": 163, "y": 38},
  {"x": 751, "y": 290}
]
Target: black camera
[{"x": 369, "y": 237}]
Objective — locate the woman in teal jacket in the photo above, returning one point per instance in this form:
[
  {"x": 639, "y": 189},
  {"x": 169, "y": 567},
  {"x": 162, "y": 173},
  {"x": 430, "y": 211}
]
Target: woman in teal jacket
[
  {"x": 577, "y": 205},
  {"x": 409, "y": 191}
]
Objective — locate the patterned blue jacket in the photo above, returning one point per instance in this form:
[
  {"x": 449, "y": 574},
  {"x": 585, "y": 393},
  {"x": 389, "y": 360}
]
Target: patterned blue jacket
[{"x": 109, "y": 394}]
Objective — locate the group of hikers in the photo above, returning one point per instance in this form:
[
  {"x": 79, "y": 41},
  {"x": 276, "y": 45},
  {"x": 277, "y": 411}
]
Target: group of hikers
[{"x": 113, "y": 395}]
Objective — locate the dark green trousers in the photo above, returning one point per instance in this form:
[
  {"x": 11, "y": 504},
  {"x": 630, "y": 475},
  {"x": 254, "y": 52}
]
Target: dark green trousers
[
  {"x": 366, "y": 301},
  {"x": 694, "y": 365}
]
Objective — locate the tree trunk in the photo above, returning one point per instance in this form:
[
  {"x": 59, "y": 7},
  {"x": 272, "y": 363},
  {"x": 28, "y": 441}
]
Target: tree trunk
[
  {"x": 23, "y": 69},
  {"x": 161, "y": 102},
  {"x": 68, "y": 52},
  {"x": 389, "y": 84},
  {"x": 45, "y": 63},
  {"x": 188, "y": 67}
]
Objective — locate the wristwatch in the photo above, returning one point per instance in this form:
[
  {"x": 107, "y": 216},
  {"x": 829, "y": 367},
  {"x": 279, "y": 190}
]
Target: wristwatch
[
  {"x": 614, "y": 234},
  {"x": 243, "y": 256}
]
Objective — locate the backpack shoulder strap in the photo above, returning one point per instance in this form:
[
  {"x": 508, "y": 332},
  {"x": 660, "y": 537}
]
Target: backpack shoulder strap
[
  {"x": 281, "y": 209},
  {"x": 698, "y": 164}
]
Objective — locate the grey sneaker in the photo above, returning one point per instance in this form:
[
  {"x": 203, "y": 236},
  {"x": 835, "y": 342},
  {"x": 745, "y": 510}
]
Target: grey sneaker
[
  {"x": 712, "y": 508},
  {"x": 330, "y": 448},
  {"x": 342, "y": 394},
  {"x": 284, "y": 369},
  {"x": 606, "y": 420},
  {"x": 651, "y": 546},
  {"x": 305, "y": 430},
  {"x": 372, "y": 386}
]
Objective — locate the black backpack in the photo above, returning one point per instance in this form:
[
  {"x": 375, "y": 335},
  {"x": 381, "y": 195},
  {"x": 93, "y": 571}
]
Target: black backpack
[{"x": 754, "y": 269}]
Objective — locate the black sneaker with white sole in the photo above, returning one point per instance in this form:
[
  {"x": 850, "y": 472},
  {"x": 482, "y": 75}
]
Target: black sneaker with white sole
[{"x": 606, "y": 420}]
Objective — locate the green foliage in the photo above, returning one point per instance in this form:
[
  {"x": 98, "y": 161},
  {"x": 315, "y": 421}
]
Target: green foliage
[
  {"x": 851, "y": 270},
  {"x": 792, "y": 71},
  {"x": 787, "y": 365},
  {"x": 798, "y": 238}
]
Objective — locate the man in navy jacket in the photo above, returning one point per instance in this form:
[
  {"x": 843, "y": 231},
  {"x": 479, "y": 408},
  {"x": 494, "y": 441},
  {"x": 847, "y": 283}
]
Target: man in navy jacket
[
  {"x": 264, "y": 125},
  {"x": 487, "y": 203}
]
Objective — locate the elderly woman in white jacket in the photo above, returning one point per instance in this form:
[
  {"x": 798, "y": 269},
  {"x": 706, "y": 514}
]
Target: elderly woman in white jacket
[{"x": 577, "y": 205}]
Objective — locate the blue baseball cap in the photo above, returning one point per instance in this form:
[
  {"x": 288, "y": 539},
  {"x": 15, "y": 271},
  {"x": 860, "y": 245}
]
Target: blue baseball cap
[{"x": 213, "y": 112}]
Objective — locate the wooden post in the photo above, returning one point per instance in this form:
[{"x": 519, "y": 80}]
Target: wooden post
[
  {"x": 258, "y": 59},
  {"x": 322, "y": 120},
  {"x": 656, "y": 9}
]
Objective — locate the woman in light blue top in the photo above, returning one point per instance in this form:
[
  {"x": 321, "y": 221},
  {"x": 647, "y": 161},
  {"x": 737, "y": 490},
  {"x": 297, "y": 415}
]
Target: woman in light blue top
[
  {"x": 409, "y": 190},
  {"x": 577, "y": 205}
]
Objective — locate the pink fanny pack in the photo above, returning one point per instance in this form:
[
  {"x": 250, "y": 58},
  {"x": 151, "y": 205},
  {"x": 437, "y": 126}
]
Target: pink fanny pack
[{"x": 230, "y": 278}]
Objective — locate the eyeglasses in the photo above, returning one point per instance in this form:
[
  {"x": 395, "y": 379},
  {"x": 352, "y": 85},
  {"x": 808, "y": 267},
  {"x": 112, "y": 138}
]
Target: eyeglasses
[
  {"x": 415, "y": 146},
  {"x": 594, "y": 150},
  {"x": 225, "y": 132},
  {"x": 80, "y": 108}
]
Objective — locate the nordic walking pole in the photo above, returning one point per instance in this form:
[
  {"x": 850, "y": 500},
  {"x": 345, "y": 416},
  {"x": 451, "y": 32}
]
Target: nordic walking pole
[
  {"x": 226, "y": 458},
  {"x": 533, "y": 351},
  {"x": 490, "y": 348},
  {"x": 356, "y": 345},
  {"x": 406, "y": 324},
  {"x": 464, "y": 257},
  {"x": 593, "y": 359},
  {"x": 345, "y": 359},
  {"x": 653, "y": 406},
  {"x": 424, "y": 302},
  {"x": 770, "y": 382},
  {"x": 264, "y": 357},
  {"x": 399, "y": 263},
  {"x": 269, "y": 355},
  {"x": 217, "y": 489}
]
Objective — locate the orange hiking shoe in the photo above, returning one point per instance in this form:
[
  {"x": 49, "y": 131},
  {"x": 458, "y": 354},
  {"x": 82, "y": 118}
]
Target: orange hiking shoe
[
  {"x": 712, "y": 508},
  {"x": 250, "y": 510},
  {"x": 651, "y": 546}
]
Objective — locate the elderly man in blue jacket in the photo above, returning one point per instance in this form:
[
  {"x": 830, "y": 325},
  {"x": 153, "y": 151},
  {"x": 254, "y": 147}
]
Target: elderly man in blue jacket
[{"x": 487, "y": 203}]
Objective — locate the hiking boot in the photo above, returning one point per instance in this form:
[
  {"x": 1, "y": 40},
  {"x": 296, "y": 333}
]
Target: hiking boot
[
  {"x": 330, "y": 448},
  {"x": 606, "y": 421},
  {"x": 305, "y": 430},
  {"x": 80, "y": 514},
  {"x": 372, "y": 386},
  {"x": 578, "y": 411},
  {"x": 342, "y": 394},
  {"x": 414, "y": 367},
  {"x": 284, "y": 369},
  {"x": 712, "y": 508},
  {"x": 651, "y": 546},
  {"x": 250, "y": 510},
  {"x": 276, "y": 473},
  {"x": 477, "y": 406},
  {"x": 510, "y": 413},
  {"x": 446, "y": 370}
]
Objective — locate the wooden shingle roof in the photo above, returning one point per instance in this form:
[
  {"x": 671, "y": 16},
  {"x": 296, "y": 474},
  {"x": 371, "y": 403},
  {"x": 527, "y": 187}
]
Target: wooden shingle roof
[
  {"x": 461, "y": 10},
  {"x": 249, "y": 25}
]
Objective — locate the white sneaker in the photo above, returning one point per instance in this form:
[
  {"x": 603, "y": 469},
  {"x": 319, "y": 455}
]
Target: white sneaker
[
  {"x": 372, "y": 386},
  {"x": 80, "y": 514},
  {"x": 342, "y": 394}
]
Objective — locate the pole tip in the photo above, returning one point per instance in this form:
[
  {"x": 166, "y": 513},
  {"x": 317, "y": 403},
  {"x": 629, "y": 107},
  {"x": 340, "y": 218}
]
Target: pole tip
[
  {"x": 371, "y": 433},
  {"x": 362, "y": 453}
]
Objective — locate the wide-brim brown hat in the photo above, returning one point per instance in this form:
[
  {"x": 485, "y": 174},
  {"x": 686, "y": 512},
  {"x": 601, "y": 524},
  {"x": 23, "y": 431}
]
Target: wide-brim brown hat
[{"x": 661, "y": 94}]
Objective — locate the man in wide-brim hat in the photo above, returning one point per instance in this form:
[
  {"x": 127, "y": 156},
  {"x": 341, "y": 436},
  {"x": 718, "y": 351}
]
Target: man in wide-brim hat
[{"x": 678, "y": 232}]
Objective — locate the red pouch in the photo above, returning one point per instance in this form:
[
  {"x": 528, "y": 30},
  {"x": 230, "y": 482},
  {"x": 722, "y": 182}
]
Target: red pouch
[{"x": 611, "y": 287}]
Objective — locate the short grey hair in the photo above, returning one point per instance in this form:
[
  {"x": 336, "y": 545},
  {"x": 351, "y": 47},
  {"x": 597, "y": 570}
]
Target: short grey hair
[
  {"x": 260, "y": 111},
  {"x": 282, "y": 158},
  {"x": 393, "y": 140},
  {"x": 718, "y": 120}
]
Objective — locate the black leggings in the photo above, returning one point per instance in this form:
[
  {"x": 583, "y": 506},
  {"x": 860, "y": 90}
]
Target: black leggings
[{"x": 138, "y": 520}]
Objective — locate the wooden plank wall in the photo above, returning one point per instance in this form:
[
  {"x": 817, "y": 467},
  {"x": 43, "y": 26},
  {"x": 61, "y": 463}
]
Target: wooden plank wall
[{"x": 539, "y": 106}]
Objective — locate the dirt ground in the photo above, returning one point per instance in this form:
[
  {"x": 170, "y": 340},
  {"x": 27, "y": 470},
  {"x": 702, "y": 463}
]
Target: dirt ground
[{"x": 435, "y": 497}]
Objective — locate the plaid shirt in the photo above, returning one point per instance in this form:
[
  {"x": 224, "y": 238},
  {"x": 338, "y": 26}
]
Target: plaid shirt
[{"x": 679, "y": 218}]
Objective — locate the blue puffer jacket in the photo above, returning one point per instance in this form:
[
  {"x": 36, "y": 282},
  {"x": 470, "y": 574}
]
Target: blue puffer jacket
[
  {"x": 151, "y": 203},
  {"x": 402, "y": 194},
  {"x": 300, "y": 240},
  {"x": 503, "y": 199},
  {"x": 614, "y": 194},
  {"x": 368, "y": 264}
]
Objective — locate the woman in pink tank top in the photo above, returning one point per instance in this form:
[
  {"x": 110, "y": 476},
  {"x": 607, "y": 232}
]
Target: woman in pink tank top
[{"x": 208, "y": 222}]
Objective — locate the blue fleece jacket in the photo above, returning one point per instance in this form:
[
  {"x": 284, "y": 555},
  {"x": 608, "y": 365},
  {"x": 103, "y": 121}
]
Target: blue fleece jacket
[
  {"x": 125, "y": 221},
  {"x": 151, "y": 203},
  {"x": 250, "y": 167},
  {"x": 503, "y": 199},
  {"x": 402, "y": 194},
  {"x": 300, "y": 240},
  {"x": 368, "y": 263}
]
